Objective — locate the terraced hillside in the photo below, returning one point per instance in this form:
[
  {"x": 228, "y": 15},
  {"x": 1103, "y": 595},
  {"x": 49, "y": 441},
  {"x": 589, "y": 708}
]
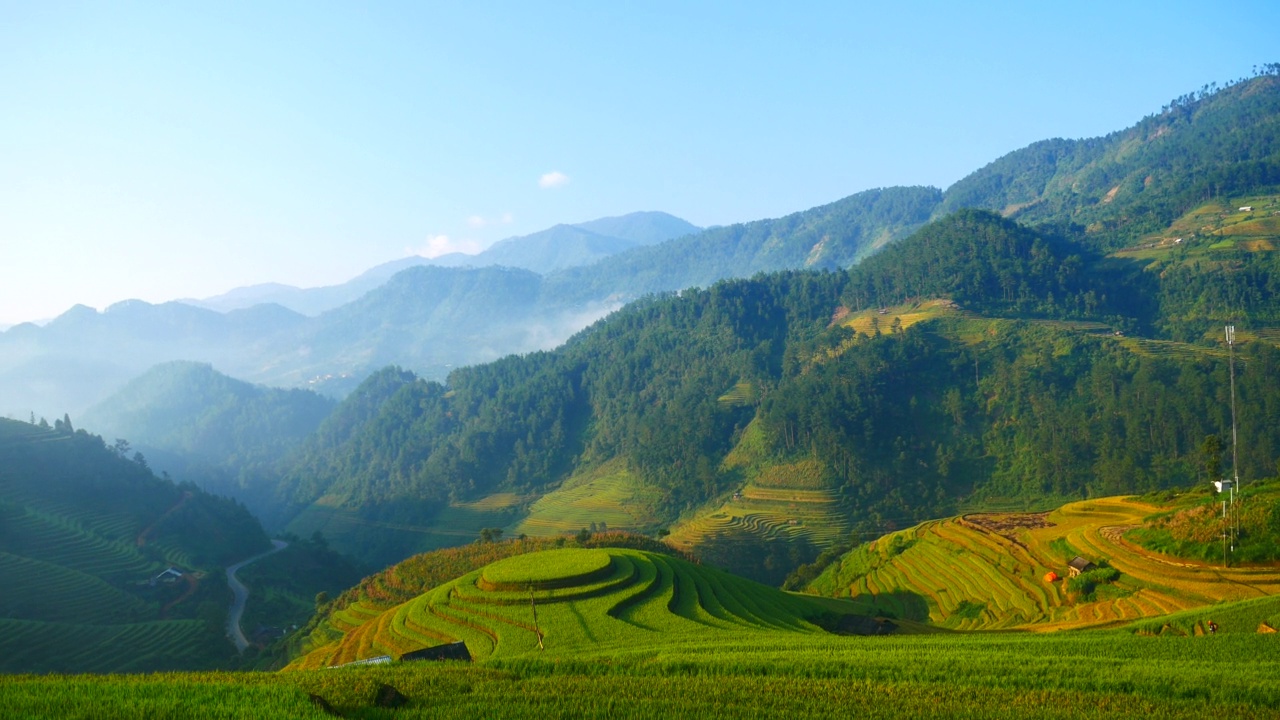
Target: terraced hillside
[
  {"x": 577, "y": 598},
  {"x": 84, "y": 536},
  {"x": 987, "y": 571},
  {"x": 609, "y": 497},
  {"x": 780, "y": 501}
]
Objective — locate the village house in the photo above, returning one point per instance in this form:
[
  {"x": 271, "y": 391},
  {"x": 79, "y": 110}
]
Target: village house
[{"x": 1079, "y": 565}]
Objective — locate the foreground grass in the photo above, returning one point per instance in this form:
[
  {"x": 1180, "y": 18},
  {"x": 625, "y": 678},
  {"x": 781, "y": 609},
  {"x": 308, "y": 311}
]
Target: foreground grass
[{"x": 1059, "y": 675}]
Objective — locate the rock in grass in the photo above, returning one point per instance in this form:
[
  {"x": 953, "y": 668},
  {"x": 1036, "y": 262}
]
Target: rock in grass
[
  {"x": 388, "y": 697},
  {"x": 323, "y": 704}
]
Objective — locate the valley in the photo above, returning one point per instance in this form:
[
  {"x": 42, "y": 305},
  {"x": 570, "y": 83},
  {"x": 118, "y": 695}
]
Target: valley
[{"x": 913, "y": 452}]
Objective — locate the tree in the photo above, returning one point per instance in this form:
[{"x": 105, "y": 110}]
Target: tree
[
  {"x": 489, "y": 535},
  {"x": 1211, "y": 455}
]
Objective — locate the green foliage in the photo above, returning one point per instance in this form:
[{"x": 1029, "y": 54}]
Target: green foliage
[
  {"x": 986, "y": 263},
  {"x": 1086, "y": 582},
  {"x": 1194, "y": 528}
]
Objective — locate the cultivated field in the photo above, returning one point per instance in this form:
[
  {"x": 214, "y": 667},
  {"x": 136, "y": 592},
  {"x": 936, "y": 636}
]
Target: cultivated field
[
  {"x": 584, "y": 598},
  {"x": 611, "y": 496},
  {"x": 731, "y": 675},
  {"x": 987, "y": 571}
]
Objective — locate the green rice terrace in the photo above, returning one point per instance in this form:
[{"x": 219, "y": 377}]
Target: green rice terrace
[
  {"x": 569, "y": 598},
  {"x": 779, "y": 501}
]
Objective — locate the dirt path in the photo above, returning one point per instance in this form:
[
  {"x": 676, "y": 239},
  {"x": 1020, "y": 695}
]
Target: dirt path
[
  {"x": 241, "y": 594},
  {"x": 192, "y": 585}
]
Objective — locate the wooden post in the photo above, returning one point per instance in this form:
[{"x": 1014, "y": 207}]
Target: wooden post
[{"x": 534, "y": 608}]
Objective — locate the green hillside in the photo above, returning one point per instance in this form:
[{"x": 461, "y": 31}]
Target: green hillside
[
  {"x": 1215, "y": 143},
  {"x": 978, "y": 363},
  {"x": 85, "y": 533},
  {"x": 225, "y": 435}
]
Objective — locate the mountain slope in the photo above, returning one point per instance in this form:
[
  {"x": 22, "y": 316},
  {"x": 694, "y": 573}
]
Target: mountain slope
[
  {"x": 998, "y": 376},
  {"x": 197, "y": 424},
  {"x": 1115, "y": 188}
]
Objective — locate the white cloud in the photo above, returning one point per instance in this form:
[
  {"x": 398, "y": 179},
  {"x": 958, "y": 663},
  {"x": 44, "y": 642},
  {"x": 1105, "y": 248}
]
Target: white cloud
[
  {"x": 438, "y": 245},
  {"x": 553, "y": 179}
]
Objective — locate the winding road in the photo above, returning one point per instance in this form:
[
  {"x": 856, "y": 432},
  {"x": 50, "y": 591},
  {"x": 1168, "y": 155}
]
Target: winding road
[{"x": 241, "y": 594}]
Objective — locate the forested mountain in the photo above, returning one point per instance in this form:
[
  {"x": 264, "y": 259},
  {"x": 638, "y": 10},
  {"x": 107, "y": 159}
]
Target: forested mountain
[
  {"x": 1015, "y": 388},
  {"x": 1206, "y": 144},
  {"x": 86, "y": 535},
  {"x": 429, "y": 319},
  {"x": 822, "y": 238},
  {"x": 565, "y": 246},
  {"x": 225, "y": 435}
]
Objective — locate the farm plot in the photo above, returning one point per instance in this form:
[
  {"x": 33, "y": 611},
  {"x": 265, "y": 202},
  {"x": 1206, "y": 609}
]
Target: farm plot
[{"x": 38, "y": 590}]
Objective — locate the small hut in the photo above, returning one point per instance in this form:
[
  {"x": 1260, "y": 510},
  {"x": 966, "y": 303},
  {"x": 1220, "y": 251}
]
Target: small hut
[
  {"x": 1079, "y": 565},
  {"x": 450, "y": 651}
]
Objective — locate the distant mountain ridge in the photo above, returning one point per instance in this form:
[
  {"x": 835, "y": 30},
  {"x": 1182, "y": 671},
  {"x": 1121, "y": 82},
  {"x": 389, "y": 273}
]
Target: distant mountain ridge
[
  {"x": 555, "y": 248},
  {"x": 1102, "y": 192}
]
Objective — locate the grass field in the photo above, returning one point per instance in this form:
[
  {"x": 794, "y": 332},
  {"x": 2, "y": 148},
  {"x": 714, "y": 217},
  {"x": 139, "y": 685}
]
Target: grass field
[
  {"x": 731, "y": 675},
  {"x": 987, "y": 571}
]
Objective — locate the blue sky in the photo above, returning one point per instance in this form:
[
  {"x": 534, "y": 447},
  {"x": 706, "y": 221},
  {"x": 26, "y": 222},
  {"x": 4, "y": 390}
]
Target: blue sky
[{"x": 158, "y": 151}]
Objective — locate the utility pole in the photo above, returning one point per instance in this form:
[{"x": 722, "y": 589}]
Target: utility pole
[{"x": 1235, "y": 464}]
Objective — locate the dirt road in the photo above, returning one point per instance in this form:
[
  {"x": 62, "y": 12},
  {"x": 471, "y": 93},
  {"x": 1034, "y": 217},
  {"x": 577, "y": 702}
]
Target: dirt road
[{"x": 241, "y": 594}]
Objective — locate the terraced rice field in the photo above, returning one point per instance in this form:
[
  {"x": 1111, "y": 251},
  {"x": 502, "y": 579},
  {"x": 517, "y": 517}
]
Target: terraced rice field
[
  {"x": 39, "y": 590},
  {"x": 783, "y": 501},
  {"x": 611, "y": 495},
  {"x": 39, "y": 647},
  {"x": 988, "y": 571},
  {"x": 582, "y": 598},
  {"x": 867, "y": 321},
  {"x": 66, "y": 542},
  {"x": 742, "y": 393}
]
